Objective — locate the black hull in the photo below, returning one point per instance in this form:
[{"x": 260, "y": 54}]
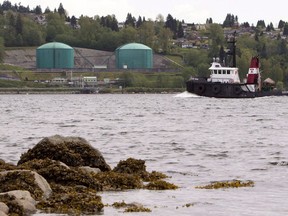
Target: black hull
[{"x": 226, "y": 90}]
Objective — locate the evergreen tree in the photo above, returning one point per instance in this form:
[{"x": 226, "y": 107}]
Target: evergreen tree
[
  {"x": 61, "y": 10},
  {"x": 47, "y": 10},
  {"x": 261, "y": 24},
  {"x": 6, "y": 6},
  {"x": 180, "y": 31},
  {"x": 38, "y": 10},
  {"x": 130, "y": 21},
  {"x": 285, "y": 30},
  {"x": 73, "y": 22},
  {"x": 281, "y": 24},
  {"x": 2, "y": 49},
  {"x": 229, "y": 21},
  {"x": 171, "y": 23},
  {"x": 19, "y": 24},
  {"x": 139, "y": 22}
]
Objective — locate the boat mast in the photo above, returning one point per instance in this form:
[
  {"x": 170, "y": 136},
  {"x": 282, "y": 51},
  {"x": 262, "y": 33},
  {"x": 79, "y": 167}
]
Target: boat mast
[{"x": 232, "y": 52}]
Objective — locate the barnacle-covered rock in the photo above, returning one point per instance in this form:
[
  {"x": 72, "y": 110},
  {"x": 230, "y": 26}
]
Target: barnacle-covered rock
[
  {"x": 131, "y": 166},
  {"x": 72, "y": 200},
  {"x": 6, "y": 166},
  {"x": 118, "y": 181},
  {"x": 227, "y": 184},
  {"x": 138, "y": 167},
  {"x": 73, "y": 151},
  {"x": 19, "y": 202},
  {"x": 160, "y": 185},
  {"x": 25, "y": 180},
  {"x": 58, "y": 172},
  {"x": 131, "y": 207}
]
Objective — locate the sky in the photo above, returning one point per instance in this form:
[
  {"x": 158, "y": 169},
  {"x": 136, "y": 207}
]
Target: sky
[{"x": 191, "y": 11}]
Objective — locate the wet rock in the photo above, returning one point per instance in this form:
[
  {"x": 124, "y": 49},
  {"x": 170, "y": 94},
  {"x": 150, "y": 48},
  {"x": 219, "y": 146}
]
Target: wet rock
[
  {"x": 131, "y": 207},
  {"x": 131, "y": 166},
  {"x": 73, "y": 151},
  {"x": 6, "y": 166},
  {"x": 3, "y": 208},
  {"x": 160, "y": 185},
  {"x": 59, "y": 173},
  {"x": 119, "y": 181},
  {"x": 25, "y": 180},
  {"x": 227, "y": 184},
  {"x": 72, "y": 200},
  {"x": 19, "y": 202},
  {"x": 90, "y": 169}
]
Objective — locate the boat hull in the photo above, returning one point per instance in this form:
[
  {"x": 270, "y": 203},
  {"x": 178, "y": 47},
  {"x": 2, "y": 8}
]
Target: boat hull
[{"x": 226, "y": 90}]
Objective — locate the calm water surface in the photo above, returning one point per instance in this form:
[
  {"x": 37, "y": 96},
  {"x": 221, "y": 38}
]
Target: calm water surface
[{"x": 193, "y": 140}]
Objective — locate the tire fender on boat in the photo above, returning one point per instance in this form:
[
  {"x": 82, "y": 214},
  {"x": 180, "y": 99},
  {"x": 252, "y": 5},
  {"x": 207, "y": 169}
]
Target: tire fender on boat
[
  {"x": 237, "y": 90},
  {"x": 216, "y": 89},
  {"x": 201, "y": 88}
]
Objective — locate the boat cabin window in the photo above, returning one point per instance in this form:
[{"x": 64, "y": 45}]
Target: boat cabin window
[
  {"x": 219, "y": 71},
  {"x": 224, "y": 71},
  {"x": 228, "y": 71},
  {"x": 215, "y": 71}
]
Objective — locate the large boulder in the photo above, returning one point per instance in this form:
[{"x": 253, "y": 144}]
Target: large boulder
[
  {"x": 73, "y": 151},
  {"x": 25, "y": 180}
]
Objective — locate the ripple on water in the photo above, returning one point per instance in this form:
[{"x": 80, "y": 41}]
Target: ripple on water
[{"x": 193, "y": 140}]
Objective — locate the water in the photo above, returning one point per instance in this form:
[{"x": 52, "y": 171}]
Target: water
[{"x": 193, "y": 140}]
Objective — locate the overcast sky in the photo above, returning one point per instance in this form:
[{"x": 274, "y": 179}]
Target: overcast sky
[{"x": 191, "y": 11}]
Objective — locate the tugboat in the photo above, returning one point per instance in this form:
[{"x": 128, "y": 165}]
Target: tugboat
[{"x": 224, "y": 81}]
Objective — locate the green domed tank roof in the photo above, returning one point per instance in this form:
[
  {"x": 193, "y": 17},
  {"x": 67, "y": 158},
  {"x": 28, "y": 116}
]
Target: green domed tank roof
[
  {"x": 55, "y": 45},
  {"x": 134, "y": 46}
]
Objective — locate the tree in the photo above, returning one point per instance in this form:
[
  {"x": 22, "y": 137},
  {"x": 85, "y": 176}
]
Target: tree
[
  {"x": 282, "y": 48},
  {"x": 2, "y": 49},
  {"x": 73, "y": 22},
  {"x": 171, "y": 23},
  {"x": 139, "y": 22},
  {"x": 19, "y": 24},
  {"x": 47, "y": 10},
  {"x": 146, "y": 33},
  {"x": 180, "y": 31},
  {"x": 261, "y": 24},
  {"x": 130, "y": 21},
  {"x": 55, "y": 25},
  {"x": 285, "y": 30},
  {"x": 281, "y": 24},
  {"x": 163, "y": 40},
  {"x": 128, "y": 35},
  {"x": 230, "y": 20},
  {"x": 61, "y": 10},
  {"x": 38, "y": 10}
]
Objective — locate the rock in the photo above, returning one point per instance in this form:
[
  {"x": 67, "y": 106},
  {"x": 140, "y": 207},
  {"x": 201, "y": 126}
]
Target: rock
[
  {"x": 3, "y": 208},
  {"x": 73, "y": 151},
  {"x": 59, "y": 173},
  {"x": 131, "y": 166},
  {"x": 88, "y": 169},
  {"x": 72, "y": 201},
  {"x": 6, "y": 166},
  {"x": 25, "y": 180},
  {"x": 2, "y": 213},
  {"x": 21, "y": 198}
]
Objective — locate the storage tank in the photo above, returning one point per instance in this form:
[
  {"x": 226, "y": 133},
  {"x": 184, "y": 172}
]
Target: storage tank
[
  {"x": 55, "y": 55},
  {"x": 134, "y": 55}
]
